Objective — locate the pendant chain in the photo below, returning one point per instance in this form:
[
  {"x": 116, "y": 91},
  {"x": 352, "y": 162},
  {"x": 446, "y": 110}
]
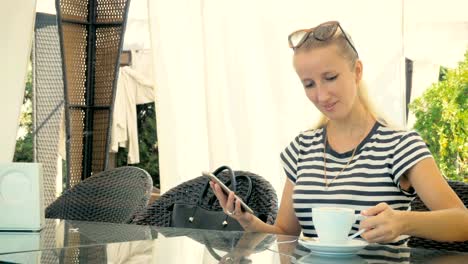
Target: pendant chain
[{"x": 325, "y": 164}]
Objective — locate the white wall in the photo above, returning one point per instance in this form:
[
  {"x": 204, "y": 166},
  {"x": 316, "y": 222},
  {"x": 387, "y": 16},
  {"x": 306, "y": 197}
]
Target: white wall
[{"x": 16, "y": 28}]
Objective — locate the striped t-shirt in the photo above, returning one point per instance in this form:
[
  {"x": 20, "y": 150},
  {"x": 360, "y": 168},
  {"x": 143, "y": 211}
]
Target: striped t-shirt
[{"x": 373, "y": 175}]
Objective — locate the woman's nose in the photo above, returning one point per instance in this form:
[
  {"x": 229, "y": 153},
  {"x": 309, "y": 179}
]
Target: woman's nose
[{"x": 322, "y": 93}]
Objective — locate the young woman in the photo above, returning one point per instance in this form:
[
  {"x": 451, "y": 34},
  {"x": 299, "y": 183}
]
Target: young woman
[{"x": 352, "y": 158}]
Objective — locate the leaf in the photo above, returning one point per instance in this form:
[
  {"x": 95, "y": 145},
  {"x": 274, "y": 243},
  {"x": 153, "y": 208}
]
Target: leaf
[{"x": 442, "y": 118}]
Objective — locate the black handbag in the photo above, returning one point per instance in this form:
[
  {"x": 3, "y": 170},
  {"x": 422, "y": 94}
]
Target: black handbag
[{"x": 196, "y": 216}]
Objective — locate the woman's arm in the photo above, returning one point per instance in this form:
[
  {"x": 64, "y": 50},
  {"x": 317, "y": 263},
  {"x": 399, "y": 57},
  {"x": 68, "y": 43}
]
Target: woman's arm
[
  {"x": 286, "y": 221},
  {"x": 447, "y": 220}
]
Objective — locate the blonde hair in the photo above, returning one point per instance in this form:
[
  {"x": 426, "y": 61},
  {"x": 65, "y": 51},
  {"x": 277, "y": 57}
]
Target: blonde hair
[{"x": 348, "y": 53}]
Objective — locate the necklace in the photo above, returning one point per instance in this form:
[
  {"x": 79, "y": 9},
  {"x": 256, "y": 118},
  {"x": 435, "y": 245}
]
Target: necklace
[{"x": 325, "y": 164}]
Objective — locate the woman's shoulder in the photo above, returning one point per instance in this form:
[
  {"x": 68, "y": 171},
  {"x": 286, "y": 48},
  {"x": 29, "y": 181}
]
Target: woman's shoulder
[
  {"x": 308, "y": 138},
  {"x": 388, "y": 131},
  {"x": 311, "y": 134}
]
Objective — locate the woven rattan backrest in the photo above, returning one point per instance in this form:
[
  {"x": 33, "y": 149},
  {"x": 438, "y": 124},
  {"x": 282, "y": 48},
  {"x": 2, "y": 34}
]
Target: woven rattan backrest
[
  {"x": 263, "y": 199},
  {"x": 110, "y": 196},
  {"x": 92, "y": 38},
  {"x": 461, "y": 189}
]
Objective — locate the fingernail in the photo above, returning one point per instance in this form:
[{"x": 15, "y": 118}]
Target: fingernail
[{"x": 364, "y": 212}]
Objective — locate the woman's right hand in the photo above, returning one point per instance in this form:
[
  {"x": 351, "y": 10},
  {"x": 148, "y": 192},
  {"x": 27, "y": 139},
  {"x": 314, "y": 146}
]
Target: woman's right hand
[{"x": 231, "y": 206}]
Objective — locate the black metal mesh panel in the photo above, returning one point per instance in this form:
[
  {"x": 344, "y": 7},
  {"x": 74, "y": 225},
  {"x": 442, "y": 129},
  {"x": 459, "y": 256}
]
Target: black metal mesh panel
[
  {"x": 71, "y": 254},
  {"x": 91, "y": 38},
  {"x": 48, "y": 109},
  {"x": 74, "y": 9},
  {"x": 75, "y": 47},
  {"x": 48, "y": 100},
  {"x": 101, "y": 122},
  {"x": 106, "y": 58},
  {"x": 75, "y": 159},
  {"x": 49, "y": 240},
  {"x": 95, "y": 254},
  {"x": 110, "y": 10}
]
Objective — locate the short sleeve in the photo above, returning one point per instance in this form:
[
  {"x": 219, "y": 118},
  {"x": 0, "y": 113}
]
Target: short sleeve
[
  {"x": 289, "y": 158},
  {"x": 410, "y": 150}
]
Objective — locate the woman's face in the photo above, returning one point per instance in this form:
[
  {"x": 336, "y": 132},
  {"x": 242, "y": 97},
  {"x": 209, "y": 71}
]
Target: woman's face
[{"x": 329, "y": 80}]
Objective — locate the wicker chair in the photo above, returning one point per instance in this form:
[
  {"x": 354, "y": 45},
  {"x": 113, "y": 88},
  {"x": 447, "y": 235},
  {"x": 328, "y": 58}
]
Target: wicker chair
[
  {"x": 115, "y": 196},
  {"x": 263, "y": 199},
  {"x": 461, "y": 189}
]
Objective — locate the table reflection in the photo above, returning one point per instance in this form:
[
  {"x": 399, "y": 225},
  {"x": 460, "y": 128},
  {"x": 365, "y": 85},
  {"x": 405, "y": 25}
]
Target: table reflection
[
  {"x": 87, "y": 242},
  {"x": 373, "y": 253}
]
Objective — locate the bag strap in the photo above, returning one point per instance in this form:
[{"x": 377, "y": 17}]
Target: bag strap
[
  {"x": 249, "y": 189},
  {"x": 211, "y": 250},
  {"x": 231, "y": 172}
]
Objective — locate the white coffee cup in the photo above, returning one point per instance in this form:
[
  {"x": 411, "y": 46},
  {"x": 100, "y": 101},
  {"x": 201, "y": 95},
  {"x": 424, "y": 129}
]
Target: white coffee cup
[{"x": 333, "y": 224}]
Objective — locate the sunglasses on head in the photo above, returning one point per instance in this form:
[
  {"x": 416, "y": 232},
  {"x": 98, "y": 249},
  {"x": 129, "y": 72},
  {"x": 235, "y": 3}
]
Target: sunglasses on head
[{"x": 322, "y": 32}]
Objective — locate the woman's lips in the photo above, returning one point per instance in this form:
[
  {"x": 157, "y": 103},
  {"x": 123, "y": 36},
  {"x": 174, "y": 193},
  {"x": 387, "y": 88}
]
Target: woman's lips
[{"x": 329, "y": 107}]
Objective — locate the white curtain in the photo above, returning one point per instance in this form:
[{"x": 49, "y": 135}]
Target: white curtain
[
  {"x": 226, "y": 89},
  {"x": 439, "y": 35},
  {"x": 16, "y": 29}
]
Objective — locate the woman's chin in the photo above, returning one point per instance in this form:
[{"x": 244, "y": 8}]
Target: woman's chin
[{"x": 333, "y": 115}]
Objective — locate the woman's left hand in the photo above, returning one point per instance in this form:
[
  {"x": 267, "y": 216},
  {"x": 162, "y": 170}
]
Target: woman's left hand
[{"x": 383, "y": 223}]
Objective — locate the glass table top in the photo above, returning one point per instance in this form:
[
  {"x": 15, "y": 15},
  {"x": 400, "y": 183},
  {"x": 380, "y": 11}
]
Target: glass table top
[{"x": 63, "y": 241}]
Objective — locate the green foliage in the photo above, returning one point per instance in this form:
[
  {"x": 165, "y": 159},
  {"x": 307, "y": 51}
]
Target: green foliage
[
  {"x": 147, "y": 141},
  {"x": 24, "y": 144},
  {"x": 24, "y": 149},
  {"x": 441, "y": 119}
]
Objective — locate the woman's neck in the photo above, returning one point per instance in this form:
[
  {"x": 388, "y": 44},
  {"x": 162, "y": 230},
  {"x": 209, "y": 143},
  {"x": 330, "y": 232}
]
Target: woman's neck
[{"x": 351, "y": 129}]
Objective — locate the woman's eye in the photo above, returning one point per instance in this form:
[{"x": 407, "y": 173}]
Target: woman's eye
[
  {"x": 309, "y": 84},
  {"x": 331, "y": 78}
]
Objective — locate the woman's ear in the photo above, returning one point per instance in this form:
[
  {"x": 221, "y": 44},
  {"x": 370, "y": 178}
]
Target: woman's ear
[{"x": 358, "y": 70}]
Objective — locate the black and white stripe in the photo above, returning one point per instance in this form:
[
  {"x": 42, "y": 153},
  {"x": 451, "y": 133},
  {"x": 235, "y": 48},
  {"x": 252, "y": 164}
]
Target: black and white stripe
[{"x": 372, "y": 177}]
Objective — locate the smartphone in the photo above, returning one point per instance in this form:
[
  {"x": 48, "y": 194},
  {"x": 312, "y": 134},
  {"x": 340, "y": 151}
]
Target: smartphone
[{"x": 226, "y": 190}]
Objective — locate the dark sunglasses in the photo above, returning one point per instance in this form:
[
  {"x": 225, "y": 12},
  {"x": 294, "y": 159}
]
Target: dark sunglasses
[{"x": 322, "y": 32}]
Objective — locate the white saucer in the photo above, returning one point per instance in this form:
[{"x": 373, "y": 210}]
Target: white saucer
[
  {"x": 350, "y": 248},
  {"x": 316, "y": 259}
]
